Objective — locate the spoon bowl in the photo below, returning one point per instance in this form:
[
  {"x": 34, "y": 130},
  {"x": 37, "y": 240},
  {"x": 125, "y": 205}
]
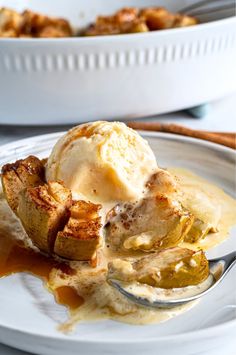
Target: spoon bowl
[{"x": 148, "y": 296}]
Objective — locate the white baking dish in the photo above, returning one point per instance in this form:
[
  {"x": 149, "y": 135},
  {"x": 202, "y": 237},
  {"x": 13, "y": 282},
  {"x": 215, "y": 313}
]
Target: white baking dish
[{"x": 53, "y": 81}]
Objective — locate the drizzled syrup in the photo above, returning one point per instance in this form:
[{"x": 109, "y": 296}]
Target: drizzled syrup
[
  {"x": 16, "y": 257},
  {"x": 68, "y": 296}
]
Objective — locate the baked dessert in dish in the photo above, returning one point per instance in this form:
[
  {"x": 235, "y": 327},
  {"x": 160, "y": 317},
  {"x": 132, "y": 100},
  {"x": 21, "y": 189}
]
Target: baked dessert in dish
[
  {"x": 32, "y": 24},
  {"x": 126, "y": 20},
  {"x": 100, "y": 207},
  {"x": 134, "y": 20}
]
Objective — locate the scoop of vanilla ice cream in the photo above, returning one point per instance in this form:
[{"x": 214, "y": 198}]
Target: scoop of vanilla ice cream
[{"x": 102, "y": 161}]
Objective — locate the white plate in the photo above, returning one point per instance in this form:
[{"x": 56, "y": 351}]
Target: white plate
[
  {"x": 69, "y": 80},
  {"x": 29, "y": 314}
]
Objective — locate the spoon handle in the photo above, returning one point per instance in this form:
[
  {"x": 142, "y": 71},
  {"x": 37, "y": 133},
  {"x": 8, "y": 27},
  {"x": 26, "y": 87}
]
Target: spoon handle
[{"x": 229, "y": 261}]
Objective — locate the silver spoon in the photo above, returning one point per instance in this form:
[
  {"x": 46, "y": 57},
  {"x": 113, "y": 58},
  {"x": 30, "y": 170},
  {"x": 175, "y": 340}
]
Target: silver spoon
[{"x": 148, "y": 296}]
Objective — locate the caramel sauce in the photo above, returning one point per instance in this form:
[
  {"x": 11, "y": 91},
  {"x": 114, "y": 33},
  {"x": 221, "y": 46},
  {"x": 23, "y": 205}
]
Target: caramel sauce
[
  {"x": 16, "y": 257},
  {"x": 68, "y": 296}
]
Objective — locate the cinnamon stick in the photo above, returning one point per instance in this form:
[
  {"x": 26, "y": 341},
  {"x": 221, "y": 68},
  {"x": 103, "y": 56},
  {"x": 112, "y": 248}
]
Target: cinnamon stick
[{"x": 224, "y": 138}]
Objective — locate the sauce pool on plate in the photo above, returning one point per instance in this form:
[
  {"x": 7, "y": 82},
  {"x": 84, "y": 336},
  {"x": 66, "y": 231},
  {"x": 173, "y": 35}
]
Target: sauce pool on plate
[{"x": 16, "y": 257}]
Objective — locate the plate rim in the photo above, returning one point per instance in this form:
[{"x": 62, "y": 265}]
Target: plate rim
[
  {"x": 195, "y": 334},
  {"x": 144, "y": 133}
]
